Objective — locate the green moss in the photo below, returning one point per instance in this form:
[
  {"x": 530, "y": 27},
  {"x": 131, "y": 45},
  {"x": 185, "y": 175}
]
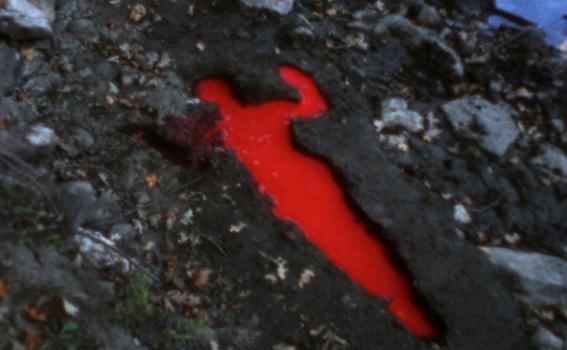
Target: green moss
[
  {"x": 136, "y": 298},
  {"x": 189, "y": 330},
  {"x": 64, "y": 339}
]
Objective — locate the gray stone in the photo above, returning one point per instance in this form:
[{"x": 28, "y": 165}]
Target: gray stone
[
  {"x": 542, "y": 279},
  {"x": 122, "y": 232},
  {"x": 428, "y": 16},
  {"x": 395, "y": 113},
  {"x": 283, "y": 7},
  {"x": 41, "y": 85},
  {"x": 416, "y": 38},
  {"x": 10, "y": 64},
  {"x": 85, "y": 28},
  {"x": 17, "y": 111},
  {"x": 489, "y": 124},
  {"x": 545, "y": 340},
  {"x": 552, "y": 162},
  {"x": 100, "y": 251},
  {"x": 35, "y": 67},
  {"x": 74, "y": 196},
  {"x": 28, "y": 143},
  {"x": 26, "y": 19},
  {"x": 82, "y": 138},
  {"x": 42, "y": 269},
  {"x": 460, "y": 214}
]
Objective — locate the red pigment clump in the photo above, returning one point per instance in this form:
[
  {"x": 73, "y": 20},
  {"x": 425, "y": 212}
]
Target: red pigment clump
[
  {"x": 304, "y": 190},
  {"x": 187, "y": 141}
]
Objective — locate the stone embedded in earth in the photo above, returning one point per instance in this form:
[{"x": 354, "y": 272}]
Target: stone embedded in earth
[
  {"x": 100, "y": 251},
  {"x": 552, "y": 162},
  {"x": 490, "y": 125},
  {"x": 546, "y": 340},
  {"x": 417, "y": 38},
  {"x": 27, "y": 143},
  {"x": 395, "y": 113},
  {"x": 42, "y": 84},
  {"x": 429, "y": 16},
  {"x": 283, "y": 7},
  {"x": 542, "y": 278},
  {"x": 460, "y": 214},
  {"x": 26, "y": 19},
  {"x": 10, "y": 64},
  {"x": 75, "y": 195}
]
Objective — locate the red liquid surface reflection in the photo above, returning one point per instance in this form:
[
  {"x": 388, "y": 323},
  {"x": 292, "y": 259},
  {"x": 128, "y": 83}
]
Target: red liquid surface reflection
[{"x": 304, "y": 190}]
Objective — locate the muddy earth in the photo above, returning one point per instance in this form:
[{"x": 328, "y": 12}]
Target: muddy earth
[{"x": 125, "y": 226}]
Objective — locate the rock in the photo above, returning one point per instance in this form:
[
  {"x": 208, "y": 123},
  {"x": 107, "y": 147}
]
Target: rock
[
  {"x": 552, "y": 162},
  {"x": 78, "y": 141},
  {"x": 41, "y": 136},
  {"x": 41, "y": 85},
  {"x": 35, "y": 67},
  {"x": 100, "y": 251},
  {"x": 283, "y": 7},
  {"x": 10, "y": 64},
  {"x": 417, "y": 38},
  {"x": 546, "y": 340},
  {"x": 26, "y": 19},
  {"x": 13, "y": 111},
  {"x": 428, "y": 16},
  {"x": 460, "y": 214},
  {"x": 542, "y": 279},
  {"x": 395, "y": 113},
  {"x": 85, "y": 28},
  {"x": 27, "y": 143},
  {"x": 74, "y": 196},
  {"x": 120, "y": 232},
  {"x": 489, "y": 124},
  {"x": 82, "y": 138}
]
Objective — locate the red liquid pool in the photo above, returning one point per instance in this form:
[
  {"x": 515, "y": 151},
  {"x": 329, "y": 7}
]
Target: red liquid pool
[{"x": 304, "y": 190}]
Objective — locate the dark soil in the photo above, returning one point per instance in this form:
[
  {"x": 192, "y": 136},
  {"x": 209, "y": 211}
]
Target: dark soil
[{"x": 401, "y": 194}]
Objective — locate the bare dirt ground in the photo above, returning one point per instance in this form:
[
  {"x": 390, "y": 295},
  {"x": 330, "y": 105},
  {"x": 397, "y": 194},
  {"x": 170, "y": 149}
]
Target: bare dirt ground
[{"x": 447, "y": 134}]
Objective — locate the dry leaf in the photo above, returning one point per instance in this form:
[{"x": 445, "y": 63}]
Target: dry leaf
[
  {"x": 201, "y": 278},
  {"x": 109, "y": 99},
  {"x": 152, "y": 180},
  {"x": 29, "y": 54},
  {"x": 137, "y": 12},
  {"x": 37, "y": 314},
  {"x": 184, "y": 298},
  {"x": 3, "y": 290}
]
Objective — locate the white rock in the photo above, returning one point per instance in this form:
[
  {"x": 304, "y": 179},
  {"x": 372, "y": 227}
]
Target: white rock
[
  {"x": 26, "y": 19},
  {"x": 461, "y": 214},
  {"x": 547, "y": 340},
  {"x": 498, "y": 129},
  {"x": 283, "y": 7},
  {"x": 41, "y": 135},
  {"x": 542, "y": 278},
  {"x": 552, "y": 161},
  {"x": 100, "y": 251},
  {"x": 395, "y": 113}
]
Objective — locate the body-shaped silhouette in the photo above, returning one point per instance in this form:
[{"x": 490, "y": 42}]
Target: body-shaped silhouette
[{"x": 304, "y": 190}]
